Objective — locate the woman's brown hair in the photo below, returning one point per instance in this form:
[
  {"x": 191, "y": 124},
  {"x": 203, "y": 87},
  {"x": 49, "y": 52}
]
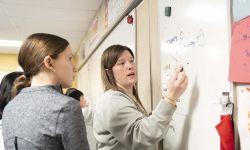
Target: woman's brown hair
[
  {"x": 32, "y": 53},
  {"x": 109, "y": 58}
]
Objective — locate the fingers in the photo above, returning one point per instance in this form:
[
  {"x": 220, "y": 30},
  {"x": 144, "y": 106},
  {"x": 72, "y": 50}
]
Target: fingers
[
  {"x": 182, "y": 77},
  {"x": 179, "y": 78},
  {"x": 177, "y": 85},
  {"x": 179, "y": 69},
  {"x": 175, "y": 74},
  {"x": 184, "y": 84}
]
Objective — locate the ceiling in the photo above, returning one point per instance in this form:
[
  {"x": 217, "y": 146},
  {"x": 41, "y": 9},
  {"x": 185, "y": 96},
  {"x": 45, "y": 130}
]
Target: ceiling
[{"x": 69, "y": 19}]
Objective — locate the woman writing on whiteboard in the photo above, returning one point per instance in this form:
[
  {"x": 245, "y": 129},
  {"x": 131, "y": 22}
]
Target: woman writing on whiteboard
[{"x": 121, "y": 122}]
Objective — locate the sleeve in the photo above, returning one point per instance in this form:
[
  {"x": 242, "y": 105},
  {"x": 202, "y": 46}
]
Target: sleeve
[
  {"x": 71, "y": 127},
  {"x": 88, "y": 115},
  {"x": 131, "y": 128}
]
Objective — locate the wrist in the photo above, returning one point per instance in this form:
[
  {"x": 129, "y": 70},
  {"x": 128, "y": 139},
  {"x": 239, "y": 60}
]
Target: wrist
[{"x": 170, "y": 100}]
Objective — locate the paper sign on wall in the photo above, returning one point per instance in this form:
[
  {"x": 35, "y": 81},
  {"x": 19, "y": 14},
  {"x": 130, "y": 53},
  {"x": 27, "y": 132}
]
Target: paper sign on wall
[
  {"x": 239, "y": 69},
  {"x": 243, "y": 121}
]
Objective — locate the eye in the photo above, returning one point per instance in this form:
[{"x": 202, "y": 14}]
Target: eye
[{"x": 121, "y": 63}]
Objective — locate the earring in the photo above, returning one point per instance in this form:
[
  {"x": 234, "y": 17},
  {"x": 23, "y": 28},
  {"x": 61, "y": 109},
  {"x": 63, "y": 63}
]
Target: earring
[{"x": 53, "y": 70}]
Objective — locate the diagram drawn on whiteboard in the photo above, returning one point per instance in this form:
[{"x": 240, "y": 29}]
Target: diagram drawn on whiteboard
[{"x": 175, "y": 52}]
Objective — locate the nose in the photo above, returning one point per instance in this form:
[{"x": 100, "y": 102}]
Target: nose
[{"x": 130, "y": 65}]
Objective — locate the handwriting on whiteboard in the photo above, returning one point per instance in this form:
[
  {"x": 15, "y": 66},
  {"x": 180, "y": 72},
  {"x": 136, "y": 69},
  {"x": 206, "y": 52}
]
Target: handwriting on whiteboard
[{"x": 191, "y": 41}]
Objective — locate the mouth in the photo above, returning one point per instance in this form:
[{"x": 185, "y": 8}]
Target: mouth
[{"x": 131, "y": 74}]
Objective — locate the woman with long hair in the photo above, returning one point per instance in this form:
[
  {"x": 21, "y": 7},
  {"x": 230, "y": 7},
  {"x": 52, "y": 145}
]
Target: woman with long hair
[
  {"x": 40, "y": 116},
  {"x": 120, "y": 120}
]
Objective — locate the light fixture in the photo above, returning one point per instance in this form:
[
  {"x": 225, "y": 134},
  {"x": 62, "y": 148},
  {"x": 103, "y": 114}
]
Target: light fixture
[{"x": 10, "y": 43}]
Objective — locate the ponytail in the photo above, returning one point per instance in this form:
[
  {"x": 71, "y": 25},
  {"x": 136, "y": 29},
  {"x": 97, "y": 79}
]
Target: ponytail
[{"x": 20, "y": 83}]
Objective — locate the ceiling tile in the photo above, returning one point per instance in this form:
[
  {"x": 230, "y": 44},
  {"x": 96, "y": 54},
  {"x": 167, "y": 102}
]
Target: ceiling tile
[{"x": 67, "y": 18}]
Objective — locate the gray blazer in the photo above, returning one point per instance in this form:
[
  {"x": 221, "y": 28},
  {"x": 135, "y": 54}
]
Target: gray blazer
[
  {"x": 41, "y": 118},
  {"x": 118, "y": 125}
]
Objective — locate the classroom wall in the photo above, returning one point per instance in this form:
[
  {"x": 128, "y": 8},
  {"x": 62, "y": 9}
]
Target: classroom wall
[
  {"x": 147, "y": 56},
  {"x": 100, "y": 27},
  {"x": 8, "y": 62},
  {"x": 143, "y": 54},
  {"x": 240, "y": 12}
]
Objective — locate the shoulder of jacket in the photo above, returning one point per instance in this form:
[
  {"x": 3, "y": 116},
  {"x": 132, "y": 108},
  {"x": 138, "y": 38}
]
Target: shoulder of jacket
[{"x": 111, "y": 93}]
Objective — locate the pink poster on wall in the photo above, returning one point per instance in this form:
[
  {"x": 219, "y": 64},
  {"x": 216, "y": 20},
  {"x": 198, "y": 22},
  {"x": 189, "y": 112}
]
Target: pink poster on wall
[{"x": 239, "y": 69}]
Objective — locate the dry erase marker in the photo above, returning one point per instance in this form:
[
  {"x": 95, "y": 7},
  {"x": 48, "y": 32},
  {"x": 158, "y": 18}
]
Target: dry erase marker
[{"x": 182, "y": 69}]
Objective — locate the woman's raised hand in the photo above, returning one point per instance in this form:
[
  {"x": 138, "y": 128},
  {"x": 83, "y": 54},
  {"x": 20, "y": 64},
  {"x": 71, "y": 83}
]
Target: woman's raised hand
[{"x": 176, "y": 86}]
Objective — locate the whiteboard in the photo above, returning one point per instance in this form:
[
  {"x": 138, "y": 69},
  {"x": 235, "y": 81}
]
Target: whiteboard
[
  {"x": 196, "y": 35},
  {"x": 90, "y": 74}
]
